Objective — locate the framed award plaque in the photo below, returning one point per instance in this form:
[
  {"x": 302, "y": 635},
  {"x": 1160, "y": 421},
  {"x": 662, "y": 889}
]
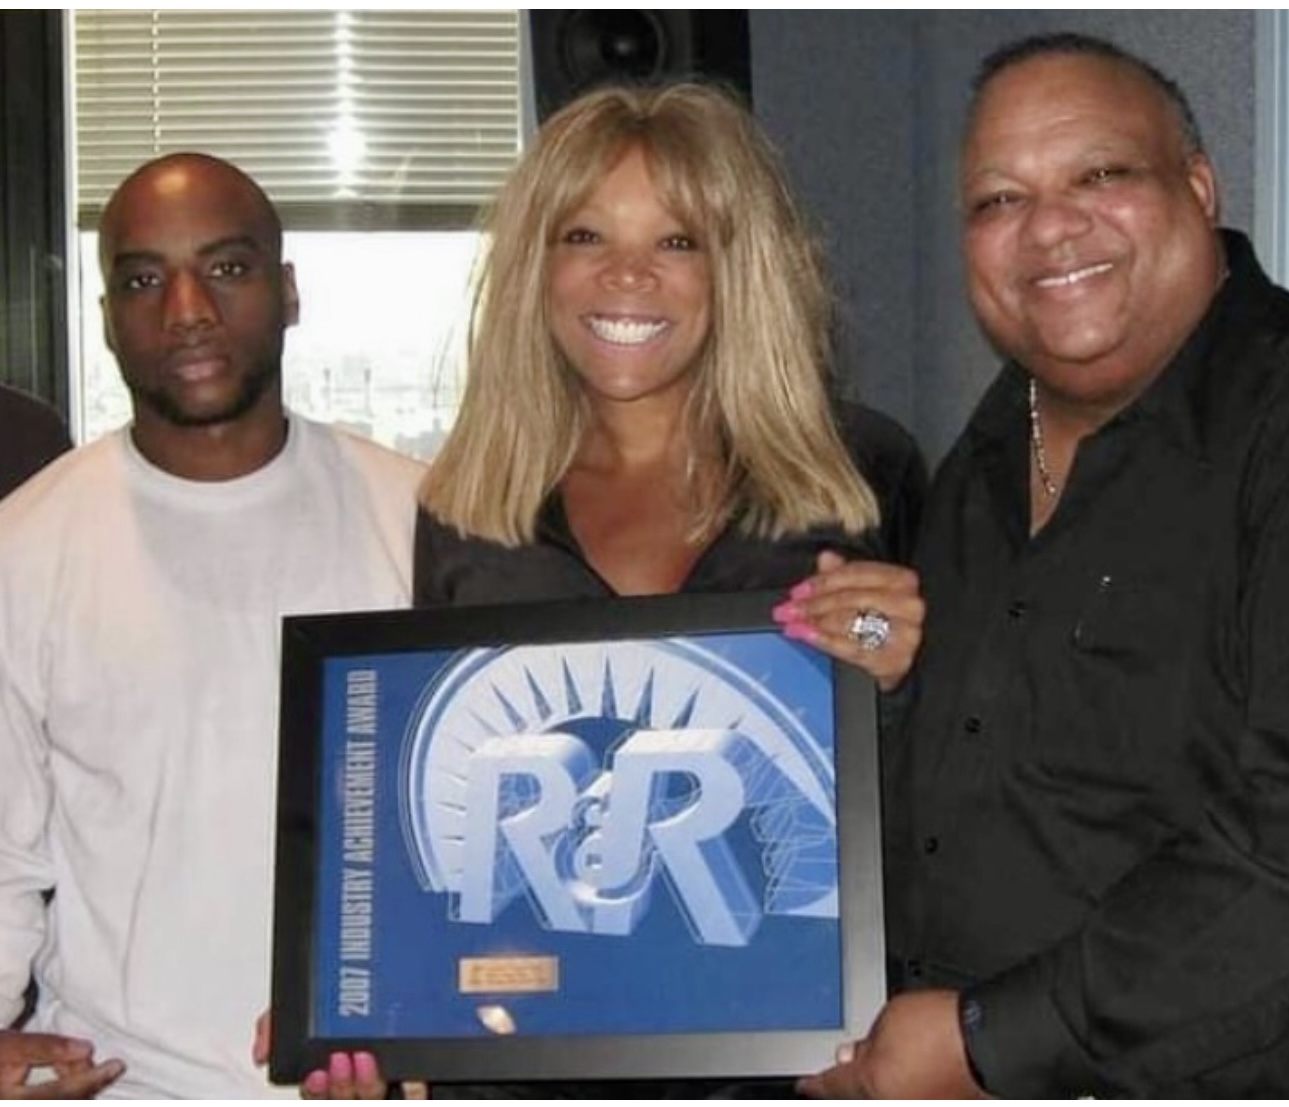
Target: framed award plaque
[{"x": 630, "y": 838}]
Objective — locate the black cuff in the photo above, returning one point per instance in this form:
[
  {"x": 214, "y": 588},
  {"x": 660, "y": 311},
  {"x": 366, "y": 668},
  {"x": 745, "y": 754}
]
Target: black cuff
[{"x": 1020, "y": 1043}]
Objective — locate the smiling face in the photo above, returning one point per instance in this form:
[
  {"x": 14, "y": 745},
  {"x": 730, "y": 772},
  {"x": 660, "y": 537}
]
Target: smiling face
[
  {"x": 628, "y": 291},
  {"x": 1090, "y": 244},
  {"x": 196, "y": 298}
]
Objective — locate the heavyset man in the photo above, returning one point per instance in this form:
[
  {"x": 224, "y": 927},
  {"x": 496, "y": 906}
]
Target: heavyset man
[{"x": 1089, "y": 856}]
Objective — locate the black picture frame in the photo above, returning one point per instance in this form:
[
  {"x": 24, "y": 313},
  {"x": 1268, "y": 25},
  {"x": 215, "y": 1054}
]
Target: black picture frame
[{"x": 809, "y": 981}]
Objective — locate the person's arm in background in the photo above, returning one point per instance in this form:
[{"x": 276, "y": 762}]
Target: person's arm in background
[{"x": 32, "y": 434}]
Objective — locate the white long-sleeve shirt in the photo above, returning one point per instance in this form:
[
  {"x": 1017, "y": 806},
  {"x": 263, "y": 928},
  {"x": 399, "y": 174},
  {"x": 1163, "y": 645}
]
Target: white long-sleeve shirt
[{"x": 139, "y": 629}]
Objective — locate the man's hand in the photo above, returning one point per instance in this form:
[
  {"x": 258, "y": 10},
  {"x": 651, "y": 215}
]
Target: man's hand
[
  {"x": 914, "y": 1051},
  {"x": 76, "y": 1076}
]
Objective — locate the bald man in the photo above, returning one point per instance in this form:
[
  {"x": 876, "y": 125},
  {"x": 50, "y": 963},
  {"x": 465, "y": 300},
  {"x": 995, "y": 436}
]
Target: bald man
[{"x": 142, "y": 583}]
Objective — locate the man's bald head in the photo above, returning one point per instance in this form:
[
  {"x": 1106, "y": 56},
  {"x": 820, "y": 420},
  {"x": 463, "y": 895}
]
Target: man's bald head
[{"x": 188, "y": 174}]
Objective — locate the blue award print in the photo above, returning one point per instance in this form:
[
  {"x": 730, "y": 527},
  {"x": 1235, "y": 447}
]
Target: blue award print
[{"x": 613, "y": 837}]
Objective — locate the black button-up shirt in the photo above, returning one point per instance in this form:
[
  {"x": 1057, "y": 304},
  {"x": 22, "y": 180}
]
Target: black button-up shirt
[{"x": 1088, "y": 814}]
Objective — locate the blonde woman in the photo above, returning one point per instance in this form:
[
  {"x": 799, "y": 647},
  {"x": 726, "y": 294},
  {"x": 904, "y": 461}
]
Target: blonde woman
[
  {"x": 646, "y": 406},
  {"x": 646, "y": 411}
]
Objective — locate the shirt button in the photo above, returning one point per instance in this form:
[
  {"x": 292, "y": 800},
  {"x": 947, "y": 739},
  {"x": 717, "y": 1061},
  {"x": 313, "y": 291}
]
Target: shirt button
[
  {"x": 972, "y": 724},
  {"x": 930, "y": 845},
  {"x": 1018, "y": 609}
]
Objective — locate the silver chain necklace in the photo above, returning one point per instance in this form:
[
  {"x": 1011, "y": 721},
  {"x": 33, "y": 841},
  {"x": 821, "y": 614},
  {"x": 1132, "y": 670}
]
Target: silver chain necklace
[{"x": 1036, "y": 441}]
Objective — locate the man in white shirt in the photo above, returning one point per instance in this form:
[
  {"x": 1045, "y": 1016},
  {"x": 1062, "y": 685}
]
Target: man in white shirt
[{"x": 143, "y": 579}]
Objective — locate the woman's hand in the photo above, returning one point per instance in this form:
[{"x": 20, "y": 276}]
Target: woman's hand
[
  {"x": 347, "y": 1075},
  {"x": 868, "y": 613}
]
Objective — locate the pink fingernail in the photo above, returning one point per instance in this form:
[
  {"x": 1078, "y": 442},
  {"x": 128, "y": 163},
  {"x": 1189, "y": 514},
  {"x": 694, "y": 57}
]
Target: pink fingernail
[
  {"x": 341, "y": 1067},
  {"x": 801, "y": 591},
  {"x": 786, "y": 613},
  {"x": 316, "y": 1083},
  {"x": 365, "y": 1067},
  {"x": 803, "y": 632}
]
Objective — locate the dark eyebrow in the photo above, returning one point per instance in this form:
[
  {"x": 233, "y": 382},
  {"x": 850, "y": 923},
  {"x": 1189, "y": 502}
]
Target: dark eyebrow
[
  {"x": 128, "y": 257},
  {"x": 245, "y": 241},
  {"x": 146, "y": 257}
]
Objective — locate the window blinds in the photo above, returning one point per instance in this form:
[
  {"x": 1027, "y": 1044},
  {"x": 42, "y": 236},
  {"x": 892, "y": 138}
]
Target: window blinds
[{"x": 366, "y": 119}]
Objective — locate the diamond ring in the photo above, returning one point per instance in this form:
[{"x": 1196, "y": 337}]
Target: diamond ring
[{"x": 870, "y": 629}]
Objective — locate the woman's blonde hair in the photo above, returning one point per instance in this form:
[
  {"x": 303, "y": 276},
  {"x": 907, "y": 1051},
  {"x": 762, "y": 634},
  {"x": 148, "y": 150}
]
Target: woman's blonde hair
[{"x": 759, "y": 402}]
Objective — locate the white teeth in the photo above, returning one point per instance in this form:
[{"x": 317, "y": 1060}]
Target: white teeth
[
  {"x": 1066, "y": 279},
  {"x": 625, "y": 332}
]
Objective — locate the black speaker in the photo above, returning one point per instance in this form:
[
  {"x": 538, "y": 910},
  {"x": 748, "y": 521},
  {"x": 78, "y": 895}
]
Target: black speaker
[{"x": 574, "y": 51}]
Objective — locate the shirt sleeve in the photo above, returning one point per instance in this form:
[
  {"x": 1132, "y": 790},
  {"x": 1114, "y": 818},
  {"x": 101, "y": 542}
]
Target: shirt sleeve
[
  {"x": 427, "y": 589},
  {"x": 902, "y": 507},
  {"x": 889, "y": 459},
  {"x": 1179, "y": 981}
]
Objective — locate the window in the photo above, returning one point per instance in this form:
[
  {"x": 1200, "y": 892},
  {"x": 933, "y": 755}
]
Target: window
[{"x": 377, "y": 133}]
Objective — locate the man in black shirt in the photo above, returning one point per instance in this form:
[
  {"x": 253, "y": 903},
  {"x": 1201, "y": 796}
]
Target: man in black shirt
[{"x": 1088, "y": 855}]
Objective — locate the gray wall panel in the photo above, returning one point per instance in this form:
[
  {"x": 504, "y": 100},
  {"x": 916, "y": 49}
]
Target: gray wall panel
[{"x": 833, "y": 91}]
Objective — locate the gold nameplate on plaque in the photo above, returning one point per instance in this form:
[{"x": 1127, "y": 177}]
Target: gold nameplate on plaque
[{"x": 513, "y": 975}]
